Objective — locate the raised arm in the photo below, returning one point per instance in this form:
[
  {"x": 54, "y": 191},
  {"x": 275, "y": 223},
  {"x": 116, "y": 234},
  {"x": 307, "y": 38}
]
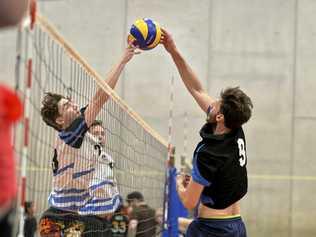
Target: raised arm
[
  {"x": 100, "y": 97},
  {"x": 188, "y": 76}
]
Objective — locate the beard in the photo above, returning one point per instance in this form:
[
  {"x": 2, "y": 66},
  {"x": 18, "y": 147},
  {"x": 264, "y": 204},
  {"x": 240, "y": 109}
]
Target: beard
[{"x": 211, "y": 118}]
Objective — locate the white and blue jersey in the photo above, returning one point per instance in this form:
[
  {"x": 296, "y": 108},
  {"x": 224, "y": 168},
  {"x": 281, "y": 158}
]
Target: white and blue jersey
[{"x": 83, "y": 179}]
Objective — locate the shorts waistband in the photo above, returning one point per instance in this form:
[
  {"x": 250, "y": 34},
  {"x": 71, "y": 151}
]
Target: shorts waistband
[
  {"x": 221, "y": 218},
  {"x": 56, "y": 213}
]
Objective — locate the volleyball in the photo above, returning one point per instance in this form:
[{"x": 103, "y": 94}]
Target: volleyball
[{"x": 145, "y": 34}]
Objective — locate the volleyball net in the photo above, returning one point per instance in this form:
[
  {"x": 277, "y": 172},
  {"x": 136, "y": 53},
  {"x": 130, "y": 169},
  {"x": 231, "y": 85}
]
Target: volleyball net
[{"x": 49, "y": 64}]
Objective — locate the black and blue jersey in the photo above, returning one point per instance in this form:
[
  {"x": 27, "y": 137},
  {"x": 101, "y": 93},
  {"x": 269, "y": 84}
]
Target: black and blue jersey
[{"x": 219, "y": 164}]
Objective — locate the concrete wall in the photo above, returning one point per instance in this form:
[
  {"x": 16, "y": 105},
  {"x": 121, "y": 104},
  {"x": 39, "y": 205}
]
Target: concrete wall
[{"x": 265, "y": 47}]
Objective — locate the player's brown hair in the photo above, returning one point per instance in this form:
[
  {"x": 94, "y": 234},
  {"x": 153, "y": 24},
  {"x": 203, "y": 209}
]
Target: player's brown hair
[
  {"x": 236, "y": 107},
  {"x": 49, "y": 110}
]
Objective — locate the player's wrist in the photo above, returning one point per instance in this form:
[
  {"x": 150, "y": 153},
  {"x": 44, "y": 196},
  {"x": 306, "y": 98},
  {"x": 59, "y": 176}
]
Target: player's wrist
[
  {"x": 173, "y": 51},
  {"x": 123, "y": 61}
]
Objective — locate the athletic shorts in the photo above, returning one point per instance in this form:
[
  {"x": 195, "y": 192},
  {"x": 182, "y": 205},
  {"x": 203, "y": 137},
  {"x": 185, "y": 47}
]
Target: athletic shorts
[
  {"x": 228, "y": 227},
  {"x": 58, "y": 223}
]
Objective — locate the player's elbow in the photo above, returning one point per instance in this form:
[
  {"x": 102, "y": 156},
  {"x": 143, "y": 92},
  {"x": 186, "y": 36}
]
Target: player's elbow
[
  {"x": 189, "y": 203},
  {"x": 188, "y": 198},
  {"x": 189, "y": 206}
]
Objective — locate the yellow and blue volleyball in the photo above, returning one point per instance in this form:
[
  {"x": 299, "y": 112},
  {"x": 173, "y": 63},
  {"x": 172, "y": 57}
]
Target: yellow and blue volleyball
[{"x": 145, "y": 33}]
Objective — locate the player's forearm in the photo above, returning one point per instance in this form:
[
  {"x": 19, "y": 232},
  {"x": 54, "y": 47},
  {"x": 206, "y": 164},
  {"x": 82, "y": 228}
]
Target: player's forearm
[
  {"x": 191, "y": 81},
  {"x": 188, "y": 76},
  {"x": 112, "y": 79},
  {"x": 114, "y": 74},
  {"x": 101, "y": 96},
  {"x": 182, "y": 194},
  {"x": 185, "y": 197}
]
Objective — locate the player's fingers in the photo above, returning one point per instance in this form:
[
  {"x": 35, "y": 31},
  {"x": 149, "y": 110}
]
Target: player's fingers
[
  {"x": 131, "y": 44},
  {"x": 132, "y": 48},
  {"x": 164, "y": 32}
]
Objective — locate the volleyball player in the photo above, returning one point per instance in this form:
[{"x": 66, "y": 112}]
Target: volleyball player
[
  {"x": 11, "y": 109},
  {"x": 103, "y": 184},
  {"x": 72, "y": 208},
  {"x": 219, "y": 174}
]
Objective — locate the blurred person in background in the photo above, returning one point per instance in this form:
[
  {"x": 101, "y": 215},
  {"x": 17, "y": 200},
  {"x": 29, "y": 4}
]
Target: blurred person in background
[
  {"x": 120, "y": 221},
  {"x": 142, "y": 217},
  {"x": 30, "y": 223},
  {"x": 11, "y": 13},
  {"x": 10, "y": 112}
]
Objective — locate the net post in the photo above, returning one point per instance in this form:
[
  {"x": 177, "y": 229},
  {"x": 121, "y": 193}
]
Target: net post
[
  {"x": 26, "y": 117},
  {"x": 170, "y": 159}
]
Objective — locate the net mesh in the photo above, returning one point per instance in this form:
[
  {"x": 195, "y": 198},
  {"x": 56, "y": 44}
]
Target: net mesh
[{"x": 137, "y": 151}]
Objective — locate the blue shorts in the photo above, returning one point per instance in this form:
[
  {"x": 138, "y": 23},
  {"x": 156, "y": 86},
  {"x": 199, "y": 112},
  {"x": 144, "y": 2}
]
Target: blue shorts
[{"x": 230, "y": 227}]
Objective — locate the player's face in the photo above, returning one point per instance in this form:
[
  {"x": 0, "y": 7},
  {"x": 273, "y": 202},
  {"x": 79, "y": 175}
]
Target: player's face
[
  {"x": 214, "y": 110},
  {"x": 99, "y": 132},
  {"x": 68, "y": 111},
  {"x": 132, "y": 203}
]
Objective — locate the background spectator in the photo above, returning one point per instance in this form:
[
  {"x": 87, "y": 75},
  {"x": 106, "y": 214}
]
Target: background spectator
[{"x": 142, "y": 217}]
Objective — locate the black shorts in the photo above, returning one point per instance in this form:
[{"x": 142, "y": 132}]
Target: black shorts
[
  {"x": 59, "y": 223},
  {"x": 231, "y": 227}
]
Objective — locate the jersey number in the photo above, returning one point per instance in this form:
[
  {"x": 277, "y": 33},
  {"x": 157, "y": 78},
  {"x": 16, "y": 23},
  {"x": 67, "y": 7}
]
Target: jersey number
[
  {"x": 242, "y": 152},
  {"x": 119, "y": 227}
]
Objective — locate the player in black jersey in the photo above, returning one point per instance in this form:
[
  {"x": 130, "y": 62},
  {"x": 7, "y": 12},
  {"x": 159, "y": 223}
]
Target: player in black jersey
[{"x": 219, "y": 174}]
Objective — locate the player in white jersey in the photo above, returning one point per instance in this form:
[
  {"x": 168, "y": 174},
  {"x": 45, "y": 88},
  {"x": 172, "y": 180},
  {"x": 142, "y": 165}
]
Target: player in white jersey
[{"x": 71, "y": 204}]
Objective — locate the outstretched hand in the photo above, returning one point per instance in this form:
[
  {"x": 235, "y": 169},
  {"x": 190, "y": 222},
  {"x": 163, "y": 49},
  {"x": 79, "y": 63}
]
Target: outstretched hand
[
  {"x": 129, "y": 52},
  {"x": 167, "y": 41}
]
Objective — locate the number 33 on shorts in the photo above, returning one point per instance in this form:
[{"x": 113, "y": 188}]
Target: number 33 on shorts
[{"x": 242, "y": 152}]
